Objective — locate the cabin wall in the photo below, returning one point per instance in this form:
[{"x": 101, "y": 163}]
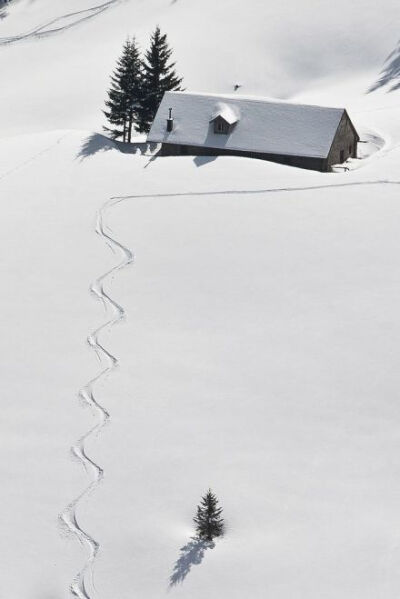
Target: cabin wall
[
  {"x": 345, "y": 141},
  {"x": 316, "y": 164}
]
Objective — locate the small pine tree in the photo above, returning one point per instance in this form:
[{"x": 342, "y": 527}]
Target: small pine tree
[
  {"x": 209, "y": 523},
  {"x": 124, "y": 95},
  {"x": 159, "y": 76}
]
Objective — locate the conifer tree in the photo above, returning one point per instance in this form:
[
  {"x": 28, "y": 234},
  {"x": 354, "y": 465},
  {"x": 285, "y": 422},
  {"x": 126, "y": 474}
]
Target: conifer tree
[
  {"x": 209, "y": 523},
  {"x": 125, "y": 92},
  {"x": 159, "y": 76}
]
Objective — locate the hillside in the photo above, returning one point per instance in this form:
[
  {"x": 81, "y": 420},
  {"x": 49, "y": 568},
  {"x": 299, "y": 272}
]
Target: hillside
[
  {"x": 71, "y": 45},
  {"x": 258, "y": 349}
]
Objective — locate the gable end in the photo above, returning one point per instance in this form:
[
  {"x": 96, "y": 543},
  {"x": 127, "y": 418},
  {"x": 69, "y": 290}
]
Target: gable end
[{"x": 344, "y": 144}]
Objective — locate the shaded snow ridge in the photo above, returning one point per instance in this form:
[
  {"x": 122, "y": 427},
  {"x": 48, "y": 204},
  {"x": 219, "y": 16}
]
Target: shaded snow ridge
[{"x": 257, "y": 124}]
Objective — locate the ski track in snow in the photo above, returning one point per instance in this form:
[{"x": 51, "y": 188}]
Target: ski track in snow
[
  {"x": 253, "y": 191},
  {"x": 55, "y": 25},
  {"x": 83, "y": 586},
  {"x": 32, "y": 158}
]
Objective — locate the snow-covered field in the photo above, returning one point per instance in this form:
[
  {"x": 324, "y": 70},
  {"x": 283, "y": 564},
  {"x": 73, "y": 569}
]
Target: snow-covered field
[{"x": 259, "y": 353}]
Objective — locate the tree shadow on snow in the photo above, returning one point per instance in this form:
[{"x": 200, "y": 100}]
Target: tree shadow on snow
[
  {"x": 95, "y": 143},
  {"x": 100, "y": 143},
  {"x": 192, "y": 554},
  {"x": 390, "y": 74}
]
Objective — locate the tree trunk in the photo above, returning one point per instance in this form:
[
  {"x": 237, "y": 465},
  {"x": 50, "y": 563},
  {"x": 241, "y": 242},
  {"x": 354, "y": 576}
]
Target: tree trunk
[{"x": 130, "y": 127}]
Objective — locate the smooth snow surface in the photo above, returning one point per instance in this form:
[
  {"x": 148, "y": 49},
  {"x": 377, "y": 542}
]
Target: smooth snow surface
[
  {"x": 259, "y": 349},
  {"x": 261, "y": 125},
  {"x": 59, "y": 81}
]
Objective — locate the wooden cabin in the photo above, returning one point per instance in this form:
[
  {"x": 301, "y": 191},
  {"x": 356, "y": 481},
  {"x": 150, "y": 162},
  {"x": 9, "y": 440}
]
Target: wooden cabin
[{"x": 305, "y": 136}]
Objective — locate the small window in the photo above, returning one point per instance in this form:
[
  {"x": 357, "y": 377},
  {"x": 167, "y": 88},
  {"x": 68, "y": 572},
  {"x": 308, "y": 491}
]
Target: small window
[
  {"x": 341, "y": 155},
  {"x": 220, "y": 126},
  {"x": 350, "y": 150}
]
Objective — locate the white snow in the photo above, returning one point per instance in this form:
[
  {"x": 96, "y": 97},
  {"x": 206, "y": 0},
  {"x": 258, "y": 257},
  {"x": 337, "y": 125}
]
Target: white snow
[
  {"x": 263, "y": 126},
  {"x": 259, "y": 353}
]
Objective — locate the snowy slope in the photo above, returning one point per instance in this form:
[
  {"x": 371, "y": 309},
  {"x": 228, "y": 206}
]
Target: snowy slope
[
  {"x": 261, "y": 355},
  {"x": 259, "y": 351},
  {"x": 271, "y": 50}
]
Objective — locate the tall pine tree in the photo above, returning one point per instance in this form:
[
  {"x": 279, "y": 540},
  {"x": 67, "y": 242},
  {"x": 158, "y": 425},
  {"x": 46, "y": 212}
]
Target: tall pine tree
[
  {"x": 159, "y": 76},
  {"x": 125, "y": 93},
  {"x": 209, "y": 523}
]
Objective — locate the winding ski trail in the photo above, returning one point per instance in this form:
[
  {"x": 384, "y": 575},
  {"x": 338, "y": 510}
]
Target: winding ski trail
[
  {"x": 83, "y": 586},
  {"x": 61, "y": 23}
]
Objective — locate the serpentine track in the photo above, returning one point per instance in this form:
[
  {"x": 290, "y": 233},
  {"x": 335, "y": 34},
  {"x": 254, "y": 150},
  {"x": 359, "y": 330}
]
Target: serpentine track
[
  {"x": 60, "y": 24},
  {"x": 83, "y": 586}
]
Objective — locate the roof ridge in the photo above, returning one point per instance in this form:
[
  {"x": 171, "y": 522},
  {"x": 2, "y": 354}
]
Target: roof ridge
[{"x": 256, "y": 99}]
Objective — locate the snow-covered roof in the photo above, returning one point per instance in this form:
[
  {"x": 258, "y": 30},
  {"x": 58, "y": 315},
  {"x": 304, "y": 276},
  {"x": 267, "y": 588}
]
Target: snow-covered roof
[
  {"x": 230, "y": 114},
  {"x": 262, "y": 125}
]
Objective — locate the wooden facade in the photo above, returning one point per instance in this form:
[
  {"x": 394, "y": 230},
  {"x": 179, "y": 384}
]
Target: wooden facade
[
  {"x": 344, "y": 143},
  {"x": 306, "y": 162}
]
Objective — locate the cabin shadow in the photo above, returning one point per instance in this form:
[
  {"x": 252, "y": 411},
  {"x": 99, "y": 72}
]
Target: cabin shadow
[
  {"x": 390, "y": 74},
  {"x": 192, "y": 554},
  {"x": 96, "y": 143},
  {"x": 202, "y": 160},
  {"x": 143, "y": 148}
]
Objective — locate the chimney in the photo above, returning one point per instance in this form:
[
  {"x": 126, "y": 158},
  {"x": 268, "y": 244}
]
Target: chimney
[{"x": 170, "y": 121}]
